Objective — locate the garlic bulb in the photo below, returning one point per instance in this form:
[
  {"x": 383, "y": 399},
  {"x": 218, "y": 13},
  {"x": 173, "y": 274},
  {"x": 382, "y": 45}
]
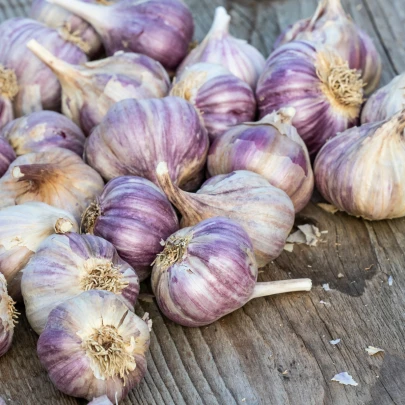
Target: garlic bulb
[
  {"x": 362, "y": 170},
  {"x": 265, "y": 212},
  {"x": 58, "y": 177},
  {"x": 219, "y": 47},
  {"x": 8, "y": 90},
  {"x": 23, "y": 228},
  {"x": 42, "y": 131},
  {"x": 135, "y": 216},
  {"x": 93, "y": 345},
  {"x": 89, "y": 90},
  {"x": 8, "y": 315},
  {"x": 325, "y": 93},
  {"x": 101, "y": 401},
  {"x": 271, "y": 148},
  {"x": 161, "y": 29},
  {"x": 385, "y": 102},
  {"x": 331, "y": 26},
  {"x": 71, "y": 264},
  {"x": 167, "y": 129},
  {"x": 38, "y": 87},
  {"x": 7, "y": 155},
  {"x": 209, "y": 270},
  {"x": 222, "y": 99}
]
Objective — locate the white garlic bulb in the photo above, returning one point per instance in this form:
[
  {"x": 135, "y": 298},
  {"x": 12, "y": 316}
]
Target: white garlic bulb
[{"x": 8, "y": 314}]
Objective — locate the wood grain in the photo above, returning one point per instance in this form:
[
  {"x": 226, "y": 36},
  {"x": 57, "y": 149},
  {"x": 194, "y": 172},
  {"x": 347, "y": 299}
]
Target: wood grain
[{"x": 276, "y": 350}]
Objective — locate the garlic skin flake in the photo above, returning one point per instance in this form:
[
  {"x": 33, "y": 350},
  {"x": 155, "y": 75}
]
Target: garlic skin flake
[
  {"x": 7, "y": 155},
  {"x": 331, "y": 26},
  {"x": 8, "y": 315},
  {"x": 93, "y": 345},
  {"x": 362, "y": 170},
  {"x": 66, "y": 265},
  {"x": 221, "y": 48},
  {"x": 90, "y": 89}
]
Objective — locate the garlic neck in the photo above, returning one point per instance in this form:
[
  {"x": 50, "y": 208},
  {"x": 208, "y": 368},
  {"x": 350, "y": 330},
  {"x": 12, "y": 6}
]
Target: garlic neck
[
  {"x": 174, "y": 251},
  {"x": 328, "y": 9},
  {"x": 68, "y": 35},
  {"x": 89, "y": 217},
  {"x": 281, "y": 287},
  {"x": 8, "y": 83},
  {"x": 220, "y": 25}
]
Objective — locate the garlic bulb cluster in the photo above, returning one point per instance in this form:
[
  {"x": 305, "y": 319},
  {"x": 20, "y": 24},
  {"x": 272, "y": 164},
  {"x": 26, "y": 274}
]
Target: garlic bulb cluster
[
  {"x": 96, "y": 335},
  {"x": 43, "y": 131},
  {"x": 168, "y": 129},
  {"x": 264, "y": 211},
  {"x": 219, "y": 47},
  {"x": 222, "y": 99},
  {"x": 66, "y": 265},
  {"x": 326, "y": 94},
  {"x": 331, "y": 26},
  {"x": 58, "y": 177},
  {"x": 8, "y": 316},
  {"x": 7, "y": 155},
  {"x": 89, "y": 90},
  {"x": 209, "y": 270},
  {"x": 361, "y": 170},
  {"x": 38, "y": 87},
  {"x": 385, "y": 102},
  {"x": 271, "y": 148},
  {"x": 161, "y": 29},
  {"x": 135, "y": 216},
  {"x": 8, "y": 90}
]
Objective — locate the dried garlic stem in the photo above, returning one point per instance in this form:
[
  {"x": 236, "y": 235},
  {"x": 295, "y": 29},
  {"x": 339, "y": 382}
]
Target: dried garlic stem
[
  {"x": 8, "y": 83},
  {"x": 74, "y": 37},
  {"x": 174, "y": 251},
  {"x": 63, "y": 225},
  {"x": 89, "y": 217},
  {"x": 280, "y": 287},
  {"x": 36, "y": 172},
  {"x": 221, "y": 21}
]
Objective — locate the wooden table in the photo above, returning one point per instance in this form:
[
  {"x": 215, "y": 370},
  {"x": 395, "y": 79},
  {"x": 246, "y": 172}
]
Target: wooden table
[{"x": 276, "y": 351}]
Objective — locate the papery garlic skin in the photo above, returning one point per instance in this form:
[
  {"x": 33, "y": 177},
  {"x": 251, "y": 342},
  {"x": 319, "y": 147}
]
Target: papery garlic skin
[
  {"x": 135, "y": 216},
  {"x": 42, "y": 131},
  {"x": 264, "y": 211},
  {"x": 38, "y": 86},
  {"x": 8, "y": 90},
  {"x": 58, "y": 177},
  {"x": 362, "y": 170},
  {"x": 7, "y": 155},
  {"x": 101, "y": 401},
  {"x": 222, "y": 99},
  {"x": 331, "y": 26},
  {"x": 66, "y": 265},
  {"x": 386, "y": 101},
  {"x": 168, "y": 129},
  {"x": 161, "y": 29},
  {"x": 76, "y": 329},
  {"x": 325, "y": 93},
  {"x": 271, "y": 148},
  {"x": 8, "y": 314},
  {"x": 89, "y": 90},
  {"x": 219, "y": 47}
]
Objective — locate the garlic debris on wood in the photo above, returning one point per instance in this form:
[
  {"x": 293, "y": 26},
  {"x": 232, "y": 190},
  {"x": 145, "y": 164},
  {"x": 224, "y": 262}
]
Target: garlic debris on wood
[
  {"x": 8, "y": 91},
  {"x": 93, "y": 345},
  {"x": 362, "y": 170},
  {"x": 7, "y": 155},
  {"x": 264, "y": 211},
  {"x": 8, "y": 316},
  {"x": 66, "y": 265}
]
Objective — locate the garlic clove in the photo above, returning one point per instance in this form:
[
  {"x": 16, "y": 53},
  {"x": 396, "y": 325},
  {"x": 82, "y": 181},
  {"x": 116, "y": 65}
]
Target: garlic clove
[
  {"x": 264, "y": 211},
  {"x": 7, "y": 155},
  {"x": 8, "y": 91},
  {"x": 75, "y": 334},
  {"x": 8, "y": 316},
  {"x": 89, "y": 90}
]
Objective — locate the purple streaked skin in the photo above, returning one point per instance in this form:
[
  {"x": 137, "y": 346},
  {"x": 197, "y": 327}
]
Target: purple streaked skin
[
  {"x": 42, "y": 131},
  {"x": 135, "y": 217},
  {"x": 136, "y": 135},
  {"x": 39, "y": 87},
  {"x": 161, "y": 29},
  {"x": 290, "y": 79},
  {"x": 7, "y": 155}
]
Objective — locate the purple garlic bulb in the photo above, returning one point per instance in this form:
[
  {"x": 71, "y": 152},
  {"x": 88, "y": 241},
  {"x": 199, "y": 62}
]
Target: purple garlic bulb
[
  {"x": 42, "y": 131},
  {"x": 8, "y": 91},
  {"x": 326, "y": 94},
  {"x": 221, "y": 48},
  {"x": 270, "y": 147},
  {"x": 331, "y": 26},
  {"x": 161, "y": 29},
  {"x": 385, "y": 102},
  {"x": 168, "y": 129},
  {"x": 362, "y": 170},
  {"x": 208, "y": 271},
  {"x": 71, "y": 264},
  {"x": 89, "y": 90},
  {"x": 7, "y": 155},
  {"x": 81, "y": 328},
  {"x": 264, "y": 211},
  {"x": 8, "y": 316},
  {"x": 222, "y": 99},
  {"x": 38, "y": 86},
  {"x": 135, "y": 216}
]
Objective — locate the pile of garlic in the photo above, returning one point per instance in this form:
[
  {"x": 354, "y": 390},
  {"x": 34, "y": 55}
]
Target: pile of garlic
[{"x": 83, "y": 221}]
